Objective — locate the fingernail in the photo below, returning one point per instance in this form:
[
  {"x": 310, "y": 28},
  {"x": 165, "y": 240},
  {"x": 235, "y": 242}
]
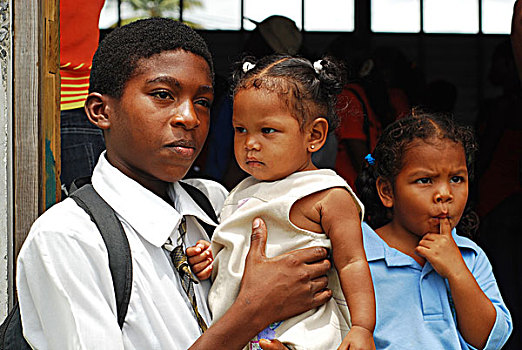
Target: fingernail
[{"x": 256, "y": 223}]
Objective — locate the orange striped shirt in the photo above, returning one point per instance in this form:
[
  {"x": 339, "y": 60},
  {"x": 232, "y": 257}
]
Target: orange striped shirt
[
  {"x": 74, "y": 88},
  {"x": 79, "y": 35}
]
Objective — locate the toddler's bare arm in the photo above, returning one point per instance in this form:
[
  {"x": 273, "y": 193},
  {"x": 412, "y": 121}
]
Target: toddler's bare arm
[
  {"x": 341, "y": 222},
  {"x": 334, "y": 212}
]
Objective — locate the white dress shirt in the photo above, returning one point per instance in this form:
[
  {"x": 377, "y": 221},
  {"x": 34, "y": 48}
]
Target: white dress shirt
[{"x": 64, "y": 284}]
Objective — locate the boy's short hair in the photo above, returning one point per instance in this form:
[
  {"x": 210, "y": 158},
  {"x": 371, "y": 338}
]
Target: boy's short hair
[{"x": 117, "y": 55}]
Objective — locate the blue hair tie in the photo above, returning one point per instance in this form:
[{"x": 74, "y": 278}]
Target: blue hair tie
[{"x": 370, "y": 159}]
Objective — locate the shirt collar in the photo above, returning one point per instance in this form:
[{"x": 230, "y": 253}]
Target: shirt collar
[
  {"x": 150, "y": 216},
  {"x": 376, "y": 248},
  {"x": 186, "y": 204}
]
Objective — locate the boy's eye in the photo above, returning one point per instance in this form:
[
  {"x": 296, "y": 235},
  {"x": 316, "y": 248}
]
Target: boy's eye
[
  {"x": 204, "y": 102},
  {"x": 424, "y": 180},
  {"x": 239, "y": 130},
  {"x": 457, "y": 179},
  {"x": 267, "y": 130},
  {"x": 162, "y": 94}
]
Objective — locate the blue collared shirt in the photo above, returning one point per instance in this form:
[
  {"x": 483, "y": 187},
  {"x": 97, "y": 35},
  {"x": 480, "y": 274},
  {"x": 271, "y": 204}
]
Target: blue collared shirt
[{"x": 412, "y": 301}]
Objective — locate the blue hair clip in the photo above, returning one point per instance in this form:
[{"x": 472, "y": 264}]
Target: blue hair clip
[{"x": 370, "y": 159}]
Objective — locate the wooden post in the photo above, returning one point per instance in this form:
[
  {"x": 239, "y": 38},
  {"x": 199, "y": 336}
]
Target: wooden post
[
  {"x": 50, "y": 106},
  {"x": 25, "y": 117},
  {"x": 36, "y": 122}
]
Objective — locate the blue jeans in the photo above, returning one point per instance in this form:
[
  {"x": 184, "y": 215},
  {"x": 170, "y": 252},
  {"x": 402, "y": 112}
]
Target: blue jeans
[{"x": 82, "y": 144}]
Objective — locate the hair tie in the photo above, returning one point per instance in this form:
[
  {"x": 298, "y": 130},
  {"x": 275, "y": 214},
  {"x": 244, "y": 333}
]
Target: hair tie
[
  {"x": 370, "y": 159},
  {"x": 247, "y": 66},
  {"x": 318, "y": 66}
]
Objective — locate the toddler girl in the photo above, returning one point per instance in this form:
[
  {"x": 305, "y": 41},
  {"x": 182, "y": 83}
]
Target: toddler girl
[
  {"x": 434, "y": 289},
  {"x": 282, "y": 109}
]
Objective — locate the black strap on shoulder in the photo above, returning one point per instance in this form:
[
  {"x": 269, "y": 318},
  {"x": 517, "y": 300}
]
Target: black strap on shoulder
[
  {"x": 79, "y": 182},
  {"x": 204, "y": 203},
  {"x": 11, "y": 334},
  {"x": 111, "y": 230},
  {"x": 199, "y": 197},
  {"x": 366, "y": 120}
]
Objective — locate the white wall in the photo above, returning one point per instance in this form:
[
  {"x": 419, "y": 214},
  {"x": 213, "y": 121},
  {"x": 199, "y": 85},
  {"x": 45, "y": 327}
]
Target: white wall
[{"x": 5, "y": 110}]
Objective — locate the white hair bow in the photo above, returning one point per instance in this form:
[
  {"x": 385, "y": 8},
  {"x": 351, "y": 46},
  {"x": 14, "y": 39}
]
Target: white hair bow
[
  {"x": 318, "y": 66},
  {"x": 247, "y": 66}
]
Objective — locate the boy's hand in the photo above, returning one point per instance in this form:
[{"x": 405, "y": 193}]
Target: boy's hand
[
  {"x": 285, "y": 285},
  {"x": 441, "y": 251},
  {"x": 358, "y": 338},
  {"x": 272, "y": 289},
  {"x": 200, "y": 259}
]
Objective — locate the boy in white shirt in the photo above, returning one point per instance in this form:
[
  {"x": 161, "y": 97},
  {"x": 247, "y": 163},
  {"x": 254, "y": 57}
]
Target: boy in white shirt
[{"x": 150, "y": 92}]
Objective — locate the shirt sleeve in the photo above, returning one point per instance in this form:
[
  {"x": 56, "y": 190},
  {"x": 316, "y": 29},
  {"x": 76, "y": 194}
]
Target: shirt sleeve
[
  {"x": 350, "y": 112},
  {"x": 65, "y": 289},
  {"x": 483, "y": 273}
]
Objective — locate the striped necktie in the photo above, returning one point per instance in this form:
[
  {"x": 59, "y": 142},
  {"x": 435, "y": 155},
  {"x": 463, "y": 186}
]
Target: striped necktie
[{"x": 179, "y": 259}]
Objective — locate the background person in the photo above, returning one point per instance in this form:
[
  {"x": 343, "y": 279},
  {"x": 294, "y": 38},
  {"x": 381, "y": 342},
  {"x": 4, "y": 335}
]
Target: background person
[{"x": 81, "y": 141}]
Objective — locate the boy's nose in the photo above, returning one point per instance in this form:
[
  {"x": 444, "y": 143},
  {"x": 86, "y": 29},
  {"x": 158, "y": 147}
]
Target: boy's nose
[{"x": 185, "y": 116}]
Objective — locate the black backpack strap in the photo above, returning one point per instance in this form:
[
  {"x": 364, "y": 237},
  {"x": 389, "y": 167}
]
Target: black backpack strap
[
  {"x": 204, "y": 203},
  {"x": 11, "y": 335},
  {"x": 111, "y": 230},
  {"x": 366, "y": 120},
  {"x": 79, "y": 182}
]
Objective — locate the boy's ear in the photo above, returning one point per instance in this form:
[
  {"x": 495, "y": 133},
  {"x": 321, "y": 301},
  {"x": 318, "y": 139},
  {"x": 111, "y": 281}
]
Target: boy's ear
[
  {"x": 318, "y": 130},
  {"x": 97, "y": 110},
  {"x": 385, "y": 191}
]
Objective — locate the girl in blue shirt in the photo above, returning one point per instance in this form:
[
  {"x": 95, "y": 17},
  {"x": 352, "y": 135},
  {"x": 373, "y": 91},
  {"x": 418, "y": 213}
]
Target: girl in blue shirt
[{"x": 434, "y": 289}]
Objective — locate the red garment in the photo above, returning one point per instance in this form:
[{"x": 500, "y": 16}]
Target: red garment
[
  {"x": 399, "y": 101},
  {"x": 350, "y": 112},
  {"x": 501, "y": 146},
  {"x": 79, "y": 35},
  {"x": 501, "y": 180}
]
